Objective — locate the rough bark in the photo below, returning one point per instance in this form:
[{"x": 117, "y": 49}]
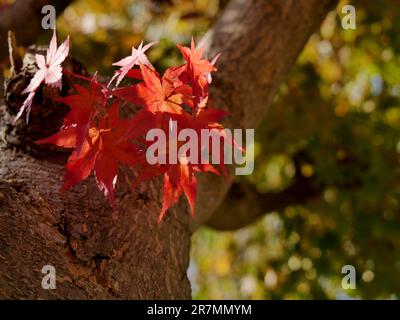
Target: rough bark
[{"x": 101, "y": 255}]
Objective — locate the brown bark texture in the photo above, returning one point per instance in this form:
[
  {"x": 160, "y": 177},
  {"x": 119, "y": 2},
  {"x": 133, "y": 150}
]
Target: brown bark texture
[{"x": 101, "y": 254}]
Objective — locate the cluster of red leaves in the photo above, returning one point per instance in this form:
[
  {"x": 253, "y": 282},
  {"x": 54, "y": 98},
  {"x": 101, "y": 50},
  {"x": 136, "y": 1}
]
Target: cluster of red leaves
[{"x": 103, "y": 140}]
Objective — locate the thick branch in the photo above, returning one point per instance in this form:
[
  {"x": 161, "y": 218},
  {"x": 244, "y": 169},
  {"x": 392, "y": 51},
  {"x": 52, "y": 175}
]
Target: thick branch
[
  {"x": 259, "y": 41},
  {"x": 244, "y": 204}
]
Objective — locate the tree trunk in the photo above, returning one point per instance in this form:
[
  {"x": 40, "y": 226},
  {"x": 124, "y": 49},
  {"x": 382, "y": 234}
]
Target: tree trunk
[{"x": 98, "y": 254}]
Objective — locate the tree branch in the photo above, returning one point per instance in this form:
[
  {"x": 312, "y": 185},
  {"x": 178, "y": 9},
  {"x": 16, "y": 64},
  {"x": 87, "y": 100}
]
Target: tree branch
[
  {"x": 244, "y": 204},
  {"x": 259, "y": 42}
]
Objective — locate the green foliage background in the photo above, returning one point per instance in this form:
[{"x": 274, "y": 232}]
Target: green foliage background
[{"x": 339, "y": 109}]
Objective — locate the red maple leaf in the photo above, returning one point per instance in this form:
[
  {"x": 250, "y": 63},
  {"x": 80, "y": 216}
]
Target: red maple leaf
[
  {"x": 179, "y": 178},
  {"x": 196, "y": 65},
  {"x": 197, "y": 70},
  {"x": 156, "y": 94},
  {"x": 86, "y": 105},
  {"x": 101, "y": 151},
  {"x": 102, "y": 140}
]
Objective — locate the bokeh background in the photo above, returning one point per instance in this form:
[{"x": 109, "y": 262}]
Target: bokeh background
[{"x": 335, "y": 121}]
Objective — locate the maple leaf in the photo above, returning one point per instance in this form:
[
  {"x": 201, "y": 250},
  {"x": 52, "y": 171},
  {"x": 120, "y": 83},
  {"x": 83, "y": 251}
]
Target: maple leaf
[
  {"x": 208, "y": 118},
  {"x": 85, "y": 105},
  {"x": 179, "y": 177},
  {"x": 197, "y": 66},
  {"x": 157, "y": 94},
  {"x": 177, "y": 180},
  {"x": 114, "y": 150},
  {"x": 101, "y": 151},
  {"x": 137, "y": 57},
  {"x": 197, "y": 70},
  {"x": 50, "y": 72}
]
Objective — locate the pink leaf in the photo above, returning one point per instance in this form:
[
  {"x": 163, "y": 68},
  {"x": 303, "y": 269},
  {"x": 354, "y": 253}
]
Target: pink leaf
[
  {"x": 50, "y": 71},
  {"x": 136, "y": 58}
]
